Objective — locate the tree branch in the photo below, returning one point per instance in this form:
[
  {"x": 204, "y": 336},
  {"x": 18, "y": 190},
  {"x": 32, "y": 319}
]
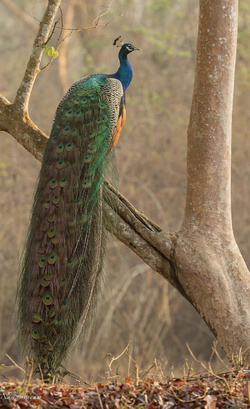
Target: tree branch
[
  {"x": 130, "y": 236},
  {"x": 126, "y": 223},
  {"x": 22, "y": 129},
  {"x": 33, "y": 67},
  {"x": 145, "y": 227},
  {"x": 153, "y": 245}
]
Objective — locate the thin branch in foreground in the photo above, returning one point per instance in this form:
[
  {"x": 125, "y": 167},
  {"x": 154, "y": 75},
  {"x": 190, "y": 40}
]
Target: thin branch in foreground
[
  {"x": 99, "y": 396},
  {"x": 16, "y": 365},
  {"x": 54, "y": 28},
  {"x": 79, "y": 30},
  {"x": 95, "y": 25},
  {"x": 101, "y": 14},
  {"x": 209, "y": 367},
  {"x": 115, "y": 358}
]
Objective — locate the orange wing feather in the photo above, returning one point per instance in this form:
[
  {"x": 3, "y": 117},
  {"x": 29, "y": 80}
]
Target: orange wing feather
[{"x": 118, "y": 128}]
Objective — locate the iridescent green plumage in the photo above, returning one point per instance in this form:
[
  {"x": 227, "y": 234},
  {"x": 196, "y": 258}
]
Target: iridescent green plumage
[{"x": 66, "y": 240}]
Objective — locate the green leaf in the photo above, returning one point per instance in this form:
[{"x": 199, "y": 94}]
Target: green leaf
[{"x": 50, "y": 51}]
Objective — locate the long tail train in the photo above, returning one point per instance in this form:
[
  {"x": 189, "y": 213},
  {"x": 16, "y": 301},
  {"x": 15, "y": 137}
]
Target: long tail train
[{"x": 66, "y": 240}]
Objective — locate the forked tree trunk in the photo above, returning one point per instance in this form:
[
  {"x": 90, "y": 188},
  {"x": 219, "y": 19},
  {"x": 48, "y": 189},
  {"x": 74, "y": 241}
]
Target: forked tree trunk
[
  {"x": 209, "y": 265},
  {"x": 202, "y": 259}
]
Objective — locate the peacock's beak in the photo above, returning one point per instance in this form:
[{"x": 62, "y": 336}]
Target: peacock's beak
[{"x": 136, "y": 48}]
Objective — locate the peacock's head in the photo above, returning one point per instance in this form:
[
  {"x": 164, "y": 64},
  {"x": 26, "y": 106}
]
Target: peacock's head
[{"x": 126, "y": 48}]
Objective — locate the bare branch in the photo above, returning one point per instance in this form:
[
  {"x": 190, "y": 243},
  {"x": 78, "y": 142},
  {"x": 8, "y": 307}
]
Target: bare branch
[
  {"x": 127, "y": 235},
  {"x": 146, "y": 228},
  {"x": 101, "y": 14},
  {"x": 33, "y": 66},
  {"x": 93, "y": 26},
  {"x": 16, "y": 365},
  {"x": 141, "y": 235}
]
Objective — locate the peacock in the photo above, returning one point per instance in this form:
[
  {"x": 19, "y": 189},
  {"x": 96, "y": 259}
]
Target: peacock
[{"x": 66, "y": 241}]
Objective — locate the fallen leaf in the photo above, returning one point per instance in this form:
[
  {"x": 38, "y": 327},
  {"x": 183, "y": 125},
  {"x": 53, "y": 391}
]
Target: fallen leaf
[{"x": 211, "y": 402}]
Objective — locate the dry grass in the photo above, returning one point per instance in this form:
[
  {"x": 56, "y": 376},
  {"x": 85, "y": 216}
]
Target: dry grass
[
  {"x": 150, "y": 389},
  {"x": 151, "y": 159},
  {"x": 207, "y": 390}
]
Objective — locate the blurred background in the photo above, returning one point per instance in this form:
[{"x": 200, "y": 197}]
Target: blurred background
[{"x": 137, "y": 305}]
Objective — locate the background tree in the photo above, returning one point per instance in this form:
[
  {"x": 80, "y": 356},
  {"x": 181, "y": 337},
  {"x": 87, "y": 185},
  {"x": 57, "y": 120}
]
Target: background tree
[{"x": 159, "y": 135}]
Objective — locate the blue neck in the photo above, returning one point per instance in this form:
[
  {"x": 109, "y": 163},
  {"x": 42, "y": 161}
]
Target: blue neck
[{"x": 125, "y": 72}]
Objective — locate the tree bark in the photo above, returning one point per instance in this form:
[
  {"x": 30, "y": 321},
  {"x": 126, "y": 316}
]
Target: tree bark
[
  {"x": 14, "y": 117},
  {"x": 202, "y": 259},
  {"x": 209, "y": 265},
  {"x": 33, "y": 67}
]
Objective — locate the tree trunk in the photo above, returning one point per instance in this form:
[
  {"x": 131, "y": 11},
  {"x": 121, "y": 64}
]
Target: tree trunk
[
  {"x": 202, "y": 260},
  {"x": 209, "y": 265}
]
